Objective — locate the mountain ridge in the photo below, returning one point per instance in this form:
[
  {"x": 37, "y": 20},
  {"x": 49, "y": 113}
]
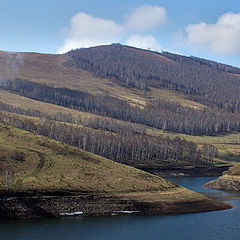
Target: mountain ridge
[
  {"x": 128, "y": 105},
  {"x": 39, "y": 78}
]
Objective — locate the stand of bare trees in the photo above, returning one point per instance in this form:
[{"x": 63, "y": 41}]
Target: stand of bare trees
[
  {"x": 125, "y": 147},
  {"x": 212, "y": 84},
  {"x": 160, "y": 114}
]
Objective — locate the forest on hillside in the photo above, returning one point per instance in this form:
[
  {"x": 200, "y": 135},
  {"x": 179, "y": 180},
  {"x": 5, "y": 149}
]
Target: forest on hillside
[
  {"x": 165, "y": 115},
  {"x": 203, "y": 81},
  {"x": 117, "y": 129},
  {"x": 126, "y": 145}
]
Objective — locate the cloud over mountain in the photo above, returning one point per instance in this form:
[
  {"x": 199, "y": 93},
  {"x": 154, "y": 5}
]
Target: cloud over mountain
[
  {"x": 221, "y": 37},
  {"x": 86, "y": 30}
]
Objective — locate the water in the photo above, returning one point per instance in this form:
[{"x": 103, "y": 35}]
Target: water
[{"x": 201, "y": 226}]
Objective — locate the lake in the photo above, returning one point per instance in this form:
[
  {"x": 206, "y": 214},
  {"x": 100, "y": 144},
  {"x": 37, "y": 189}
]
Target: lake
[{"x": 201, "y": 226}]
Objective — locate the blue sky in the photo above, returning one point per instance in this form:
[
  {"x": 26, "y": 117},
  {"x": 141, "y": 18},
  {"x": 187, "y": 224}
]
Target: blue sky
[{"x": 207, "y": 28}]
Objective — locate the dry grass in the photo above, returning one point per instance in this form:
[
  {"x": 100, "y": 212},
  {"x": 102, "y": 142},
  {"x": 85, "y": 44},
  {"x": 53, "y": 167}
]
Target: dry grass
[
  {"x": 50, "y": 165},
  {"x": 173, "y": 96},
  {"x": 50, "y": 69},
  {"x": 46, "y": 108},
  {"x": 170, "y": 196},
  {"x": 228, "y": 145}
]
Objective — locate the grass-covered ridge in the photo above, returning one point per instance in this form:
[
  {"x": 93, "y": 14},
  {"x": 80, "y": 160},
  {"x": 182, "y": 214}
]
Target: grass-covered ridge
[{"x": 32, "y": 162}]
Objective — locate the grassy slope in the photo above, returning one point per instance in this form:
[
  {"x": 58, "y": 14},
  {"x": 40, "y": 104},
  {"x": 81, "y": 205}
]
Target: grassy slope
[
  {"x": 41, "y": 163},
  {"x": 228, "y": 145},
  {"x": 46, "y": 108},
  {"x": 50, "y": 69},
  {"x": 173, "y": 96}
]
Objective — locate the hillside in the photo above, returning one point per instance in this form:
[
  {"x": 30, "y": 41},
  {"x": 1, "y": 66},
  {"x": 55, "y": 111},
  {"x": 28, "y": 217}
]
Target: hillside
[
  {"x": 180, "y": 94},
  {"x": 139, "y": 148},
  {"x": 42, "y": 177},
  {"x": 38, "y": 163},
  {"x": 199, "y": 79},
  {"x": 137, "y": 100},
  {"x": 50, "y": 69},
  {"x": 228, "y": 145}
]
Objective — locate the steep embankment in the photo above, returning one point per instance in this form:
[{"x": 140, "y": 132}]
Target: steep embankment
[
  {"x": 41, "y": 177},
  {"x": 230, "y": 180}
]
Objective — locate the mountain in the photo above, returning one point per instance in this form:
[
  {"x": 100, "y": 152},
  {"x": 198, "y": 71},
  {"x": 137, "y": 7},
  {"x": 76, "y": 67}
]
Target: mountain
[
  {"x": 69, "y": 122},
  {"x": 190, "y": 96},
  {"x": 123, "y": 91},
  {"x": 201, "y": 80}
]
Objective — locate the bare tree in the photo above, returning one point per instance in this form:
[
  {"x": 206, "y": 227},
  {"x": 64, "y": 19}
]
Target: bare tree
[{"x": 9, "y": 176}]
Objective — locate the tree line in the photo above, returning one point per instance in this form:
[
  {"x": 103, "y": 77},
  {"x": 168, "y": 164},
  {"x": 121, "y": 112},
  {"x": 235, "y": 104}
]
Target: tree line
[
  {"x": 209, "y": 83},
  {"x": 125, "y": 147},
  {"x": 95, "y": 122},
  {"x": 165, "y": 115}
]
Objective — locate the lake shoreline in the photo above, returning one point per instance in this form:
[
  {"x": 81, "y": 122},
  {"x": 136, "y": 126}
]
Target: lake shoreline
[
  {"x": 208, "y": 225},
  {"x": 29, "y": 205},
  {"x": 187, "y": 171},
  {"x": 225, "y": 182}
]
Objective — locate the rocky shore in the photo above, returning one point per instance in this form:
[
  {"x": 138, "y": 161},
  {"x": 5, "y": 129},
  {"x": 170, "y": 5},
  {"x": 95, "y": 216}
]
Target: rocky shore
[
  {"x": 226, "y": 182},
  {"x": 62, "y": 204},
  {"x": 229, "y": 181}
]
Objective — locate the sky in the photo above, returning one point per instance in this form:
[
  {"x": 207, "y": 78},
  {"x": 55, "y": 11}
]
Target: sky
[{"x": 209, "y": 28}]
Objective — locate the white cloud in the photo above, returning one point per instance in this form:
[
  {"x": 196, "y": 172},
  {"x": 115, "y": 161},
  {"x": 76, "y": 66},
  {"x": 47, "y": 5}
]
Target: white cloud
[
  {"x": 145, "y": 18},
  {"x": 143, "y": 41},
  {"x": 221, "y": 37},
  {"x": 87, "y": 31}
]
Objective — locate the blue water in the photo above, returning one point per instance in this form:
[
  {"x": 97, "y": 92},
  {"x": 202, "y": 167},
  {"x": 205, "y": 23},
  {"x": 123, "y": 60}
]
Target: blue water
[{"x": 201, "y": 226}]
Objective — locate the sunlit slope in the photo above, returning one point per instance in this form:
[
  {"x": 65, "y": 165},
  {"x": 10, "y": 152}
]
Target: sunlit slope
[
  {"x": 55, "y": 70},
  {"x": 228, "y": 145},
  {"x": 32, "y": 162}
]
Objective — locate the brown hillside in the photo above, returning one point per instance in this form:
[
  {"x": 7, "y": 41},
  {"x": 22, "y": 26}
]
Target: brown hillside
[{"x": 52, "y": 69}]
